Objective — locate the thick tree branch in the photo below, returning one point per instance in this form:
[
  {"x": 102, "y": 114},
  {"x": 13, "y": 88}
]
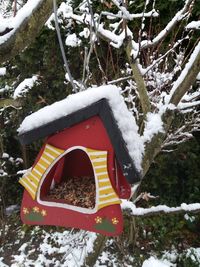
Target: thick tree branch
[
  {"x": 137, "y": 76},
  {"x": 23, "y": 35},
  {"x": 155, "y": 145},
  {"x": 187, "y": 77}
]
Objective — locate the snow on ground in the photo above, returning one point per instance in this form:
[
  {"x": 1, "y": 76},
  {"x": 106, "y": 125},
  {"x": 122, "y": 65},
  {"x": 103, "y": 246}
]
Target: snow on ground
[
  {"x": 153, "y": 262},
  {"x": 58, "y": 249}
]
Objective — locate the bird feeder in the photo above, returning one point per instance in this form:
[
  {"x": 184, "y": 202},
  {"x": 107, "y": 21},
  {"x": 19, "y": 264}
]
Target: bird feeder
[{"x": 84, "y": 168}]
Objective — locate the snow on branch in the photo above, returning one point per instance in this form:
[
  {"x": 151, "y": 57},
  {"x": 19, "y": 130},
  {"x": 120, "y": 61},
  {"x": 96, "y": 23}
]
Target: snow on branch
[
  {"x": 193, "y": 25},
  {"x": 189, "y": 74},
  {"x": 12, "y": 24},
  {"x": 18, "y": 32},
  {"x": 152, "y": 13},
  {"x": 24, "y": 87},
  {"x": 160, "y": 209},
  {"x": 182, "y": 14}
]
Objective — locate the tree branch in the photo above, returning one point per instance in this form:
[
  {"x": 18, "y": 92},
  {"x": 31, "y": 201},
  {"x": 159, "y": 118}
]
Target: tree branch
[
  {"x": 170, "y": 26},
  {"x": 10, "y": 102},
  {"x": 137, "y": 76},
  {"x": 132, "y": 210},
  {"x": 155, "y": 145},
  {"x": 187, "y": 77},
  {"x": 22, "y": 36}
]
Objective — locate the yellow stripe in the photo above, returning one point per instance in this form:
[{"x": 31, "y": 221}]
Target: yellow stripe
[
  {"x": 32, "y": 179},
  {"x": 45, "y": 161},
  {"x": 111, "y": 195},
  {"x": 49, "y": 155},
  {"x": 100, "y": 170},
  {"x": 22, "y": 182},
  {"x": 56, "y": 150},
  {"x": 97, "y": 154},
  {"x": 108, "y": 197},
  {"x": 98, "y": 163},
  {"x": 37, "y": 168},
  {"x": 91, "y": 150},
  {"x": 102, "y": 176},
  {"x": 101, "y": 166},
  {"x": 101, "y": 184},
  {"x": 92, "y": 157},
  {"x": 30, "y": 183},
  {"x": 36, "y": 174},
  {"x": 46, "y": 157},
  {"x": 114, "y": 200},
  {"x": 41, "y": 166},
  {"x": 106, "y": 191}
]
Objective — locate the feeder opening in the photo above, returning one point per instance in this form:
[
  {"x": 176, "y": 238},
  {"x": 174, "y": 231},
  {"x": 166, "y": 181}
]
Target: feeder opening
[{"x": 71, "y": 181}]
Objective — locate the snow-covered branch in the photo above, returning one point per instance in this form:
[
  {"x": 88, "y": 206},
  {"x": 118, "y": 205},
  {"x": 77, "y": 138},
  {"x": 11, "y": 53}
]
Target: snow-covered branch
[
  {"x": 152, "y": 13},
  {"x": 195, "y": 25},
  {"x": 187, "y": 77},
  {"x": 160, "y": 209},
  {"x": 182, "y": 14},
  {"x": 18, "y": 32}
]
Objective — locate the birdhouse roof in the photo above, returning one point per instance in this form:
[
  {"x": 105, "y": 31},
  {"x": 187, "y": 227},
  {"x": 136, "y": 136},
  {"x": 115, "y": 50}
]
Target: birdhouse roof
[{"x": 104, "y": 101}]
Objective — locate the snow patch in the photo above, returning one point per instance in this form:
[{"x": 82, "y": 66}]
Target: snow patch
[
  {"x": 72, "y": 40},
  {"x": 2, "y": 70},
  {"x": 24, "y": 86},
  {"x": 193, "y": 25},
  {"x": 153, "y": 126},
  {"x": 153, "y": 262}
]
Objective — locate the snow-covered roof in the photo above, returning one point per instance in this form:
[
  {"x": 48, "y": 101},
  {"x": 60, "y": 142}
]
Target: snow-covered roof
[{"x": 123, "y": 117}]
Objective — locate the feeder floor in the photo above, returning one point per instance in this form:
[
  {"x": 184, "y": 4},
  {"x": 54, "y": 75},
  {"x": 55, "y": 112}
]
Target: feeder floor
[{"x": 76, "y": 191}]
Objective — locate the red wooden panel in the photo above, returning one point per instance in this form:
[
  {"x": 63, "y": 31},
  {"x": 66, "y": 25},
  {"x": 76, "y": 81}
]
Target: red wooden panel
[{"x": 107, "y": 221}]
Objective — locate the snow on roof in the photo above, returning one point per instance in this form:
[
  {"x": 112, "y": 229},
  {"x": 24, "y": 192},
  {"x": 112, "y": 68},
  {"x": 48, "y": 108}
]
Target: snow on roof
[{"x": 75, "y": 102}]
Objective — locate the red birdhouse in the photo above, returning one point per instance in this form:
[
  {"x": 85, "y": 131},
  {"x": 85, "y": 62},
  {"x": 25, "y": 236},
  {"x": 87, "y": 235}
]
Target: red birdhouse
[{"x": 85, "y": 165}]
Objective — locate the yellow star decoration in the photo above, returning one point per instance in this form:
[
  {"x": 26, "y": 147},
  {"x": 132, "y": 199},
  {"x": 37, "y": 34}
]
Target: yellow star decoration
[
  {"x": 44, "y": 213},
  {"x": 115, "y": 221},
  {"x": 36, "y": 209},
  {"x": 98, "y": 219},
  {"x": 25, "y": 211}
]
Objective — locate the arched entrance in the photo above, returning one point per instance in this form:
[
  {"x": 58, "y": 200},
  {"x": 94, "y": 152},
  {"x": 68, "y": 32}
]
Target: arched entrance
[{"x": 70, "y": 181}]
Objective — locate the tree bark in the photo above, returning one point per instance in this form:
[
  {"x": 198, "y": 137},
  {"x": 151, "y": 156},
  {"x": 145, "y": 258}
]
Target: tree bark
[
  {"x": 189, "y": 79},
  {"x": 137, "y": 76},
  {"x": 98, "y": 246},
  {"x": 26, "y": 33}
]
